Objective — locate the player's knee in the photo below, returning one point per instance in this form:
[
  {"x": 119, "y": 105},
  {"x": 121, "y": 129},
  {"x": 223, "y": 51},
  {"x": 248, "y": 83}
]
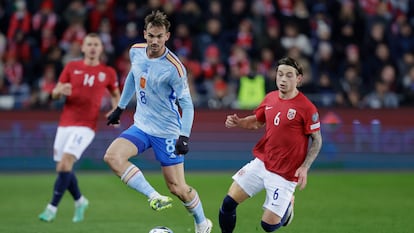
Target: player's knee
[
  {"x": 229, "y": 204},
  {"x": 270, "y": 227},
  {"x": 108, "y": 158}
]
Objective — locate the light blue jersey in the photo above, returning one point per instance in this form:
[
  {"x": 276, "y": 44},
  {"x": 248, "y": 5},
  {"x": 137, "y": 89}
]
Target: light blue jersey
[{"x": 158, "y": 83}]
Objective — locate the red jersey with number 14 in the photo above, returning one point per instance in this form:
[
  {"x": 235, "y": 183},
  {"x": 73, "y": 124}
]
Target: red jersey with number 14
[
  {"x": 89, "y": 84},
  {"x": 289, "y": 123}
]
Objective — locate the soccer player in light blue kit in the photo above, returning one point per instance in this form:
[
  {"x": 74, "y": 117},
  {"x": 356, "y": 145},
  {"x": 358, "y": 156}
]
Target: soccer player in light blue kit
[{"x": 158, "y": 79}]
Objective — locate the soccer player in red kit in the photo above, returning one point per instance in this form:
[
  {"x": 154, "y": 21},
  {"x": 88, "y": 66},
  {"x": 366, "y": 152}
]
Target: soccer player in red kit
[
  {"x": 283, "y": 155},
  {"x": 83, "y": 83}
]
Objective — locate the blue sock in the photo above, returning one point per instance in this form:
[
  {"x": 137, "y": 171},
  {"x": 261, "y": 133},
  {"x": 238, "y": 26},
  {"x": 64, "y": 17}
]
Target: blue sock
[
  {"x": 227, "y": 215},
  {"x": 134, "y": 178},
  {"x": 74, "y": 188},
  {"x": 196, "y": 209},
  {"x": 273, "y": 227},
  {"x": 61, "y": 184}
]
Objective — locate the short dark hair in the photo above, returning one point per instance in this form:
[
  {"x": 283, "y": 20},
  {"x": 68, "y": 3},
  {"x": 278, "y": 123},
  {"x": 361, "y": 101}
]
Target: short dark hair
[
  {"x": 290, "y": 62},
  {"x": 158, "y": 19}
]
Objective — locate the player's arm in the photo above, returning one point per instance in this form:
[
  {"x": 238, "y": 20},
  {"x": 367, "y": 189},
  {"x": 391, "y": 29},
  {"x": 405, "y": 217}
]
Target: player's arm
[
  {"x": 61, "y": 89},
  {"x": 248, "y": 122},
  {"x": 187, "y": 117},
  {"x": 315, "y": 147},
  {"x": 127, "y": 93},
  {"x": 115, "y": 96}
]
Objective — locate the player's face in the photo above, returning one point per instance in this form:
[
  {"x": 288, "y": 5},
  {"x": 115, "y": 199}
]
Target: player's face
[
  {"x": 156, "y": 38},
  {"x": 92, "y": 47},
  {"x": 287, "y": 79}
]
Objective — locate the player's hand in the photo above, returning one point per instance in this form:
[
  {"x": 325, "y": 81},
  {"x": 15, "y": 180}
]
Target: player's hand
[
  {"x": 232, "y": 121},
  {"x": 66, "y": 89},
  {"x": 61, "y": 89},
  {"x": 302, "y": 174},
  {"x": 113, "y": 118},
  {"x": 181, "y": 145}
]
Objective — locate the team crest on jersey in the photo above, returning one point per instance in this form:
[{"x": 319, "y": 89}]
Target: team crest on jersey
[
  {"x": 291, "y": 114},
  {"x": 142, "y": 82},
  {"x": 101, "y": 76}
]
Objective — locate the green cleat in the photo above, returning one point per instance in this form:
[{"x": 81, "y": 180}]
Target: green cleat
[
  {"x": 161, "y": 203},
  {"x": 47, "y": 215},
  {"x": 80, "y": 211}
]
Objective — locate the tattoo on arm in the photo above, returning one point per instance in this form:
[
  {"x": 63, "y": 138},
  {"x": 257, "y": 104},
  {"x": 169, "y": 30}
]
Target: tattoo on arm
[{"x": 314, "y": 149}]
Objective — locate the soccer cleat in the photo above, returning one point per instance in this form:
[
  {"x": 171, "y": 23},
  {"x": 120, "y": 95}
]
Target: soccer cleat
[
  {"x": 290, "y": 213},
  {"x": 160, "y": 203},
  {"x": 80, "y": 211},
  {"x": 204, "y": 228},
  {"x": 47, "y": 215}
]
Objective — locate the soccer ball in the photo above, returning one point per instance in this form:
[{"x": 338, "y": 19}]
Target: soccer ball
[{"x": 161, "y": 230}]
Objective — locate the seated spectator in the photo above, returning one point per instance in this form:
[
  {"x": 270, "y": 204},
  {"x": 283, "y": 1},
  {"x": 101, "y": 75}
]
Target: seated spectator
[
  {"x": 408, "y": 87},
  {"x": 44, "y": 87},
  {"x": 292, "y": 37},
  {"x": 381, "y": 97},
  {"x": 44, "y": 22},
  {"x": 19, "y": 21}
]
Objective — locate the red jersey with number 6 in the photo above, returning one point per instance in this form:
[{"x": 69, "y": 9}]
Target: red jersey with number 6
[
  {"x": 89, "y": 84},
  {"x": 289, "y": 123}
]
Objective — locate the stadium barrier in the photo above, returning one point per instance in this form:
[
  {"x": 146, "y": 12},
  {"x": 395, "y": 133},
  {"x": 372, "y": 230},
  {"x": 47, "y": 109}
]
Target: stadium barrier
[{"x": 352, "y": 139}]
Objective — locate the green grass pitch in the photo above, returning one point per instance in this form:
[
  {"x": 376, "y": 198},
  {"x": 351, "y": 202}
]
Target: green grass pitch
[{"x": 333, "y": 202}]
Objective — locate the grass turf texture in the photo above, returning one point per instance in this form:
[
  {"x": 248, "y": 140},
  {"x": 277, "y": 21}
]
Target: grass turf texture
[{"x": 332, "y": 203}]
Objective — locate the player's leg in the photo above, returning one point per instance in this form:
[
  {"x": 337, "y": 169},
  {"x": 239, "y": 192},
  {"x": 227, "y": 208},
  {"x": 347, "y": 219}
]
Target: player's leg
[
  {"x": 227, "y": 212},
  {"x": 131, "y": 142},
  {"x": 247, "y": 182},
  {"x": 70, "y": 142},
  {"x": 279, "y": 202},
  {"x": 175, "y": 179}
]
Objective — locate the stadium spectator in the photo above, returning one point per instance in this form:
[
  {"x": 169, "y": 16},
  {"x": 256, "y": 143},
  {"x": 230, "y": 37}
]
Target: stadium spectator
[
  {"x": 212, "y": 69},
  {"x": 381, "y": 97},
  {"x": 19, "y": 21},
  {"x": 281, "y": 163},
  {"x": 292, "y": 37},
  {"x": 408, "y": 87},
  {"x": 74, "y": 33},
  {"x": 101, "y": 10},
  {"x": 44, "y": 23},
  {"x": 271, "y": 38},
  {"x": 125, "y": 40},
  {"x": 156, "y": 126},
  {"x": 83, "y": 84},
  {"x": 350, "y": 88},
  {"x": 44, "y": 87},
  {"x": 344, "y": 24},
  {"x": 348, "y": 26}
]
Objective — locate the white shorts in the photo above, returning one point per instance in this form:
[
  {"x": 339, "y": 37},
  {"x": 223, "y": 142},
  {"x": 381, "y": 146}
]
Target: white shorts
[
  {"x": 254, "y": 177},
  {"x": 72, "y": 140}
]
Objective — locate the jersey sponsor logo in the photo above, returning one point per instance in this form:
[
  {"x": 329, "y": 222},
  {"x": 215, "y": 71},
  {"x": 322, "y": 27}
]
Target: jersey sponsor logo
[
  {"x": 101, "y": 76},
  {"x": 291, "y": 114},
  {"x": 77, "y": 72},
  {"x": 142, "y": 82},
  {"x": 268, "y": 107}
]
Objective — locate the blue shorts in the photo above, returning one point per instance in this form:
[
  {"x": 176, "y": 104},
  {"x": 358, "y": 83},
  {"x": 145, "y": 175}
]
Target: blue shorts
[{"x": 163, "y": 147}]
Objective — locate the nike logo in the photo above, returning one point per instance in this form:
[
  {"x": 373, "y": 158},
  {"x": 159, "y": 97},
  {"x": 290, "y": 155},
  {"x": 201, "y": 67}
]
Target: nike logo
[
  {"x": 185, "y": 143},
  {"x": 77, "y": 71},
  {"x": 268, "y": 107}
]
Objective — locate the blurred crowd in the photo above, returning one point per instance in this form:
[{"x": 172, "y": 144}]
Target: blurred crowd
[{"x": 357, "y": 54}]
